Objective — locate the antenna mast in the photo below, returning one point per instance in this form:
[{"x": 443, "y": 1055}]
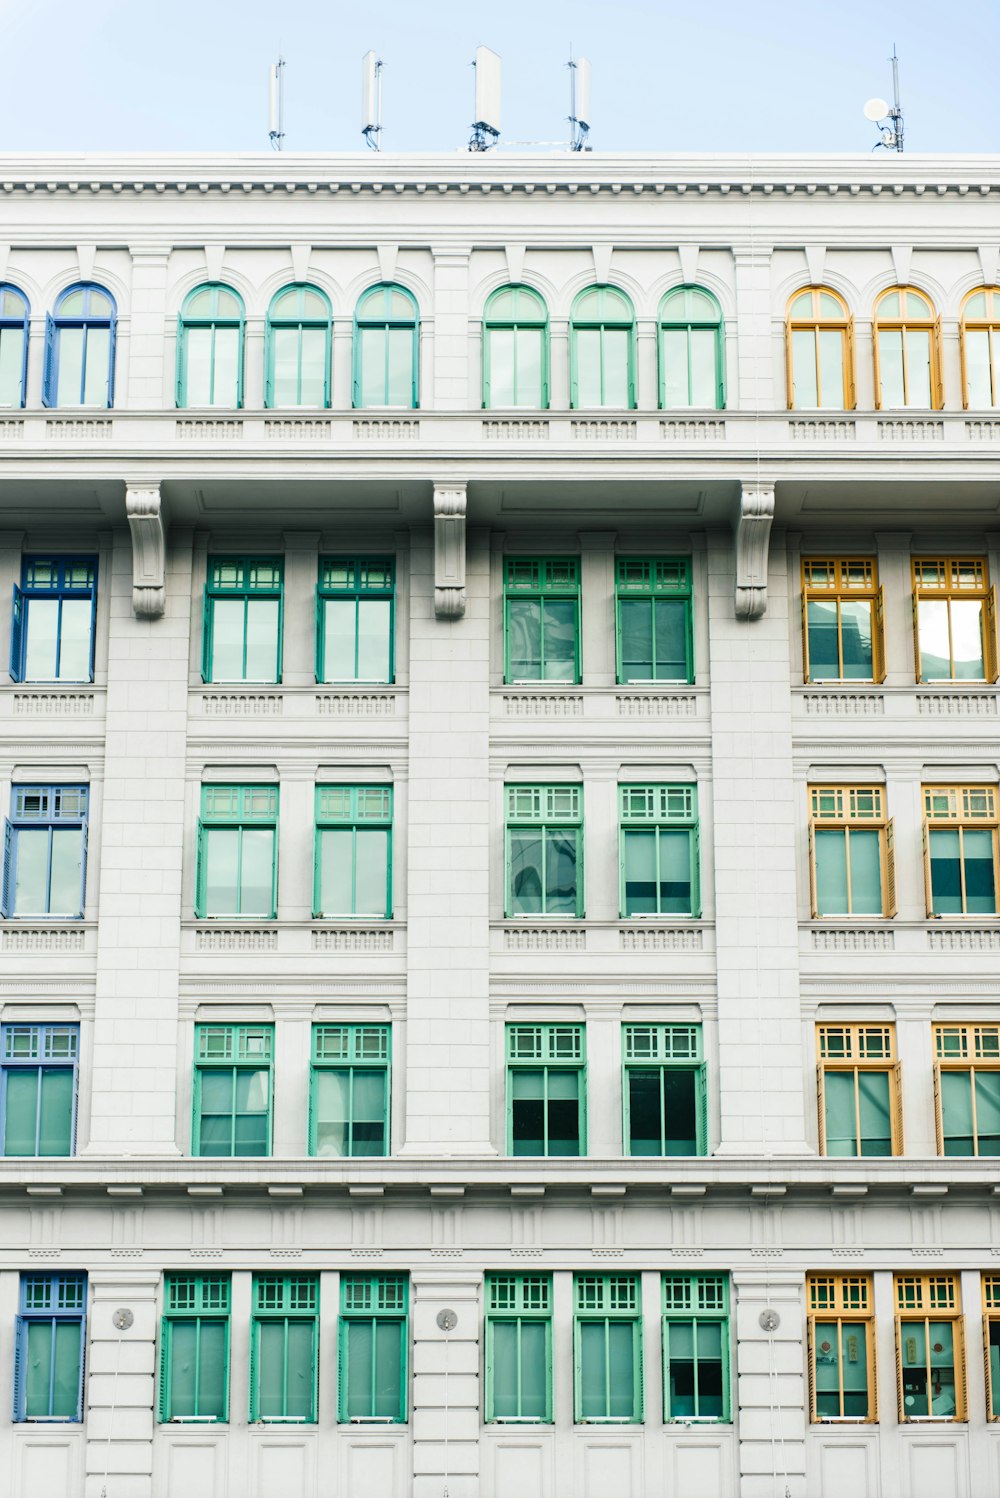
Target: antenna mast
[
  {"x": 896, "y": 112},
  {"x": 579, "y": 103},
  {"x": 371, "y": 100},
  {"x": 276, "y": 103},
  {"x": 877, "y": 110},
  {"x": 486, "y": 125}
]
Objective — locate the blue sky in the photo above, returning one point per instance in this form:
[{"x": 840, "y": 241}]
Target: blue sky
[{"x": 778, "y": 75}]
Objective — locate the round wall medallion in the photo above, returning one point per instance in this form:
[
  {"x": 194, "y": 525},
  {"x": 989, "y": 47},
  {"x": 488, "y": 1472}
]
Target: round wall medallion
[
  {"x": 447, "y": 1320},
  {"x": 122, "y": 1318},
  {"x": 769, "y": 1320}
]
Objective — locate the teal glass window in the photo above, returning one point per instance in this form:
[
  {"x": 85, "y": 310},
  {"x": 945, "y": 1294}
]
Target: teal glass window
[
  {"x": 373, "y": 1337},
  {"x": 79, "y": 367},
  {"x": 544, "y": 850},
  {"x": 665, "y": 1091},
  {"x": 284, "y": 1349},
  {"x": 602, "y": 350},
  {"x": 518, "y": 1357},
  {"x": 386, "y": 349},
  {"x": 45, "y": 851},
  {"x": 38, "y": 1086},
  {"x": 243, "y": 613},
  {"x": 297, "y": 349},
  {"x": 697, "y": 1378},
  {"x": 232, "y": 1090},
  {"x": 52, "y": 629},
  {"x": 546, "y": 1090},
  {"x": 210, "y": 348},
  {"x": 691, "y": 350},
  {"x": 14, "y": 323},
  {"x": 653, "y": 609},
  {"x": 237, "y": 872},
  {"x": 960, "y": 850},
  {"x": 851, "y": 851},
  {"x": 607, "y": 1349},
  {"x": 659, "y": 850},
  {"x": 967, "y": 1087},
  {"x": 353, "y": 869},
  {"x": 355, "y": 604},
  {"x": 349, "y": 1093},
  {"x": 515, "y": 349},
  {"x": 194, "y": 1348},
  {"x": 859, "y": 1091},
  {"x": 541, "y": 619},
  {"x": 49, "y": 1341}
]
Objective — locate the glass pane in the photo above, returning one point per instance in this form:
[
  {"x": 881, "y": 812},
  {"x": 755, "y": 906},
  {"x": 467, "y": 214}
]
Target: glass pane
[
  {"x": 710, "y": 1397},
  {"x": 674, "y": 353},
  {"x": 825, "y": 1335},
  {"x": 593, "y": 1369},
  {"x": 563, "y": 1113},
  {"x": 257, "y": 872},
  {"x": 98, "y": 355},
  {"x": 636, "y": 624},
  {"x": 527, "y": 1112},
  {"x": 620, "y": 1343},
  {"x": 821, "y": 623},
  {"x": 831, "y": 871},
  {"x": 216, "y": 1123},
  {"x": 41, "y": 627},
  {"x": 680, "y": 1106},
  {"x": 339, "y": 640},
  {"x": 932, "y": 629},
  {"x": 358, "y": 1350},
  {"x": 942, "y": 1369},
  {"x": 680, "y": 1357},
  {"x": 914, "y": 1365},
  {"x": 332, "y": 1103},
  {"x": 66, "y": 1374},
  {"x": 588, "y": 366},
  {"x": 285, "y": 376},
  {"x": 615, "y": 345},
  {"x": 74, "y": 644},
  {"x": 956, "y": 1112},
  {"x": 66, "y": 875},
  {"x": 866, "y": 873},
  {"x": 225, "y": 389},
  {"x": 529, "y": 344},
  {"x": 183, "y": 1348},
  {"x": 388, "y": 1368},
  {"x": 312, "y": 388},
  {"x": 501, "y": 391},
  {"x": 400, "y": 367},
  {"x": 524, "y": 639},
  {"x": 55, "y": 1128},
  {"x": 262, "y": 639},
  {"x": 31, "y": 879},
  {"x": 977, "y": 369},
  {"x": 250, "y": 1129},
  {"x": 534, "y": 1370},
  {"x": 372, "y": 873},
  {"x": 368, "y": 1130},
  {"x": 221, "y": 846},
  {"x": 856, "y": 639},
  {"x": 504, "y": 1368},
  {"x": 918, "y": 368},
  {"x": 271, "y": 1368},
  {"x": 675, "y": 872},
  {"x": 37, "y": 1373},
  {"x": 704, "y": 376},
  {"x": 967, "y": 639},
  {"x": 197, "y": 386},
  {"x": 21, "y": 1111},
  {"x": 841, "y": 1124},
  {"x": 644, "y": 1111},
  {"x": 639, "y": 853},
  {"x": 300, "y": 1369},
  {"x": 559, "y": 630},
  {"x": 873, "y": 1101},
  {"x": 69, "y": 382},
  {"x": 890, "y": 349},
  {"x": 805, "y": 395},
  {"x": 993, "y": 1355},
  {"x": 212, "y": 1370},
  {"x": 854, "y": 1361},
  {"x": 374, "y": 637},
  {"x": 336, "y": 854},
  {"x": 560, "y": 871},
  {"x": 11, "y": 366},
  {"x": 988, "y": 1112},
  {"x": 228, "y": 616},
  {"x": 372, "y": 354},
  {"x": 670, "y": 617},
  {"x": 831, "y": 369},
  {"x": 526, "y": 873},
  {"x": 980, "y": 893}
]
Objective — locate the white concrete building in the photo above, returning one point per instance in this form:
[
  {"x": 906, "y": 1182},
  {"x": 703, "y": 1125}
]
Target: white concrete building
[{"x": 501, "y": 766}]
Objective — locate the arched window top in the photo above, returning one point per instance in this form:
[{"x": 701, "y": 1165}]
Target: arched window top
[
  {"x": 603, "y": 306},
  {"x": 903, "y": 304},
  {"x": 686, "y": 305},
  {"x": 387, "y": 304},
  {"x": 13, "y": 305},
  {"x": 818, "y": 304},
  {"x": 85, "y": 303},
  {"x": 300, "y": 303},
  {"x": 515, "y": 305},
  {"x": 982, "y": 305},
  {"x": 212, "y": 303}
]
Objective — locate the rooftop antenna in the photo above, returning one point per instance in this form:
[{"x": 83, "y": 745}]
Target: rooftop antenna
[
  {"x": 579, "y": 103},
  {"x": 276, "y": 103},
  {"x": 371, "y": 100},
  {"x": 486, "y": 125},
  {"x": 878, "y": 111}
]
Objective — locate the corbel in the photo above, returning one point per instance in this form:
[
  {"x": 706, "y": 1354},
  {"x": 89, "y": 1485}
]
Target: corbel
[
  {"x": 752, "y": 532},
  {"x": 449, "y": 550},
  {"x": 145, "y": 519}
]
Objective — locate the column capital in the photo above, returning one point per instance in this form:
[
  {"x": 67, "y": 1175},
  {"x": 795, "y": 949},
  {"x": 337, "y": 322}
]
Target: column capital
[
  {"x": 450, "y": 502},
  {"x": 752, "y": 531},
  {"x": 145, "y": 518}
]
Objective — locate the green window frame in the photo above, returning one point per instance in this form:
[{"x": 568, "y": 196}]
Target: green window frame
[
  {"x": 194, "y": 1349},
  {"x": 691, "y": 356},
  {"x": 233, "y": 1090},
  {"x": 546, "y": 1090},
  {"x": 38, "y": 1089},
  {"x": 541, "y": 619},
  {"x": 352, "y": 869},
  {"x": 355, "y": 620},
  {"x": 664, "y": 1090},
  {"x": 660, "y": 851},
  {"x": 386, "y": 349},
  {"x": 697, "y": 1371},
  {"x": 654, "y": 632},
  {"x": 349, "y": 1093},
  {"x": 284, "y": 1350},
  {"x": 244, "y": 608},
  {"x": 607, "y": 1349},
  {"x": 210, "y": 348},
  {"x": 543, "y": 836},
  {"x": 967, "y": 1089},
  {"x": 237, "y": 872},
  {"x": 297, "y": 347},
  {"x": 602, "y": 350},
  {"x": 518, "y": 1349},
  {"x": 515, "y": 349},
  {"x": 49, "y": 1342},
  {"x": 372, "y": 1347}
]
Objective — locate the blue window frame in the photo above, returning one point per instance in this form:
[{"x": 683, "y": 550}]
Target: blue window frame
[
  {"x": 210, "y": 348},
  {"x": 38, "y": 1084},
  {"x": 48, "y": 1347},
  {"x": 14, "y": 315},
  {"x": 52, "y": 631},
  {"x": 297, "y": 348},
  {"x": 386, "y": 341},
  {"x": 80, "y": 348},
  {"x": 45, "y": 851}
]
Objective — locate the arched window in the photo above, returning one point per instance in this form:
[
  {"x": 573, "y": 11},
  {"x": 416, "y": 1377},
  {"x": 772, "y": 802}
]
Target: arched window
[
  {"x": 386, "y": 328},
  {"x": 80, "y": 349},
  {"x": 980, "y": 337},
  {"x": 297, "y": 355},
  {"x": 907, "y": 369},
  {"x": 691, "y": 365},
  {"x": 515, "y": 349},
  {"x": 14, "y": 313},
  {"x": 819, "y": 352},
  {"x": 210, "y": 348},
  {"x": 602, "y": 349}
]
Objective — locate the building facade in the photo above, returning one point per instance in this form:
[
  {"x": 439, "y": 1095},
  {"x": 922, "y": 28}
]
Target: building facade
[{"x": 501, "y": 771}]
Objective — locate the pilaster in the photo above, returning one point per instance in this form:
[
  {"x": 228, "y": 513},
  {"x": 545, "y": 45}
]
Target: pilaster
[
  {"x": 121, "y": 1361},
  {"x": 446, "y": 1319}
]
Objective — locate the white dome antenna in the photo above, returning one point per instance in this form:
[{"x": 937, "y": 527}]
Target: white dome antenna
[{"x": 889, "y": 121}]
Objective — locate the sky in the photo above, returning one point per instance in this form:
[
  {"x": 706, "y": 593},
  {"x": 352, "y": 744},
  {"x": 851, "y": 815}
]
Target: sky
[{"x": 739, "y": 75}]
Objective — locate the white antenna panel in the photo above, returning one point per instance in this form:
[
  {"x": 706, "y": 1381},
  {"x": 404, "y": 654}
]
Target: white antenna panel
[
  {"x": 273, "y": 101},
  {"x": 369, "y": 92},
  {"x": 487, "y": 91},
  {"x": 583, "y": 91}
]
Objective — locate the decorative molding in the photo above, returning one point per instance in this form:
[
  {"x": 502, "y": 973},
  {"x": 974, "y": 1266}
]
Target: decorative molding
[
  {"x": 301, "y": 254},
  {"x": 145, "y": 519},
  {"x": 988, "y": 254},
  {"x": 752, "y": 530},
  {"x": 815, "y": 261},
  {"x": 215, "y": 254},
  {"x": 515, "y": 262},
  {"x": 86, "y": 254},
  {"x": 688, "y": 254},
  {"x": 387, "y": 261},
  {"x": 449, "y": 550},
  {"x": 602, "y": 254},
  {"x": 902, "y": 255}
]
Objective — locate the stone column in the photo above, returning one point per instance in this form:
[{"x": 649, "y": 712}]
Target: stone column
[
  {"x": 770, "y": 1384},
  {"x": 121, "y": 1384},
  {"x": 451, "y": 328},
  {"x": 298, "y": 648},
  {"x": 446, "y": 1398},
  {"x": 150, "y": 372},
  {"x": 755, "y": 355}
]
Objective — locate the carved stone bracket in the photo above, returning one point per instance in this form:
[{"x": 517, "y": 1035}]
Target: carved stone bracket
[
  {"x": 145, "y": 518},
  {"x": 449, "y": 550},
  {"x": 752, "y": 529}
]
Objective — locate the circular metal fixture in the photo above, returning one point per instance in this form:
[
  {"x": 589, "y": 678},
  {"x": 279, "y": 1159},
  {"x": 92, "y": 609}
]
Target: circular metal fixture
[
  {"x": 447, "y": 1320},
  {"x": 769, "y": 1320},
  {"x": 122, "y": 1319}
]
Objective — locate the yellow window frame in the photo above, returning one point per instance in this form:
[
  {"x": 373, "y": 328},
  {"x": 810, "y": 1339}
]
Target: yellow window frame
[
  {"x": 855, "y": 1048},
  {"x": 847, "y": 1300},
  {"x": 919, "y": 1299},
  {"x": 971, "y": 1055},
  {"x": 956, "y": 577},
  {"x": 988, "y": 324},
  {"x": 931, "y": 324},
  {"x": 991, "y": 1316},
  {"x": 843, "y": 324},
  {"x": 844, "y": 579},
  {"x": 967, "y": 807},
  {"x": 841, "y": 808}
]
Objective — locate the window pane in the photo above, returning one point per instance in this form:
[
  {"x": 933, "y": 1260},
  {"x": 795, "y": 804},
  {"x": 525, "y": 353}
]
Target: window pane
[
  {"x": 527, "y": 1112},
  {"x": 831, "y": 871},
  {"x": 993, "y": 1354},
  {"x": 31, "y": 881},
  {"x": 593, "y": 1369},
  {"x": 66, "y": 876},
  {"x": 368, "y": 1130},
  {"x": 250, "y": 1124},
  {"x": 271, "y": 1368},
  {"x": 11, "y": 366},
  {"x": 198, "y": 366},
  {"x": 636, "y": 624},
  {"x": 526, "y": 873},
  {"x": 956, "y": 1112},
  {"x": 831, "y": 369},
  {"x": 501, "y": 391},
  {"x": 563, "y": 1113},
  {"x": 98, "y": 354},
  {"x": 918, "y": 368},
  {"x": 854, "y": 1360},
  {"x": 336, "y": 871},
  {"x": 312, "y": 388},
  {"x": 371, "y": 879},
  {"x": 257, "y": 871},
  {"x": 560, "y": 872},
  {"x": 374, "y": 634},
  {"x": 69, "y": 384},
  {"x": 225, "y": 382},
  {"x": 988, "y": 1112},
  {"x": 825, "y": 1335},
  {"x": 41, "y": 638},
  {"x": 332, "y": 1094},
  {"x": 588, "y": 366},
  {"x": 559, "y": 626},
  {"x": 372, "y": 354},
  {"x": 980, "y": 893},
  {"x": 534, "y": 1373},
  {"x": 55, "y": 1130},
  {"x": 676, "y": 391},
  {"x": 616, "y": 350},
  {"x": 504, "y": 1368},
  {"x": 890, "y": 352},
  {"x": 339, "y": 620},
  {"x": 639, "y": 851},
  {"x": 704, "y": 376},
  {"x": 942, "y": 1368},
  {"x": 873, "y": 1101},
  {"x": 183, "y": 1347},
  {"x": 74, "y": 644},
  {"x": 977, "y": 368},
  {"x": 644, "y": 1111},
  {"x": 620, "y": 1341},
  {"x": 675, "y": 872},
  {"x": 400, "y": 367},
  {"x": 300, "y": 1369},
  {"x": 66, "y": 1373},
  {"x": 932, "y": 629},
  {"x": 670, "y": 620},
  {"x": 841, "y": 1125},
  {"x": 524, "y": 639},
  {"x": 805, "y": 395},
  {"x": 228, "y": 615},
  {"x": 359, "y": 1349},
  {"x": 967, "y": 639},
  {"x": 21, "y": 1117},
  {"x": 216, "y": 1123},
  {"x": 821, "y": 619},
  {"x": 38, "y": 1369},
  {"x": 866, "y": 873},
  {"x": 680, "y": 1106},
  {"x": 680, "y": 1352},
  {"x": 710, "y": 1397},
  {"x": 856, "y": 639},
  {"x": 285, "y": 375},
  {"x": 528, "y": 350},
  {"x": 388, "y": 1368},
  {"x": 221, "y": 846},
  {"x": 262, "y": 639}
]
